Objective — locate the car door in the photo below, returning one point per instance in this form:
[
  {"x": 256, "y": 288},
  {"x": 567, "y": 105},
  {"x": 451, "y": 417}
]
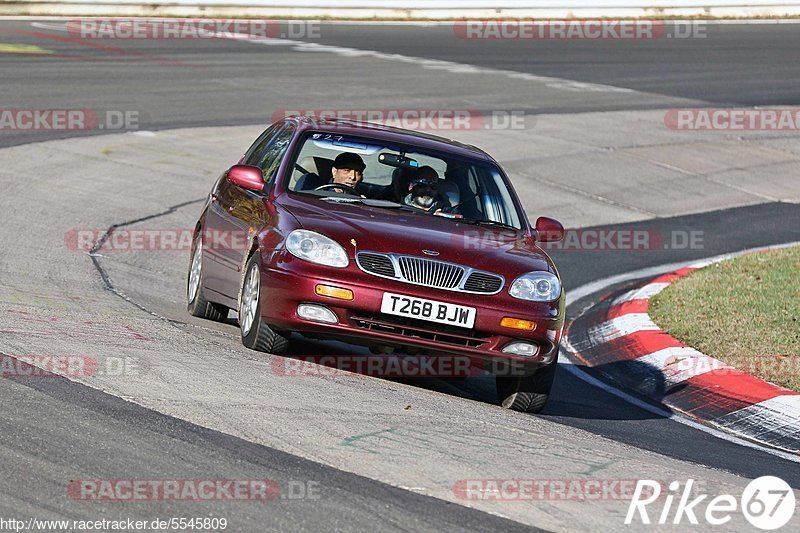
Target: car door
[
  {"x": 236, "y": 213},
  {"x": 216, "y": 267}
]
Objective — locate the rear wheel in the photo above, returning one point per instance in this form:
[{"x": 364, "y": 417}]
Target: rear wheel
[
  {"x": 255, "y": 333},
  {"x": 197, "y": 304},
  {"x": 527, "y": 394}
]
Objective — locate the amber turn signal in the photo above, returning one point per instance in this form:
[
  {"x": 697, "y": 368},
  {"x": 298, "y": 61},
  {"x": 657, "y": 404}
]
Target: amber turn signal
[
  {"x": 334, "y": 292},
  {"x": 518, "y": 323}
]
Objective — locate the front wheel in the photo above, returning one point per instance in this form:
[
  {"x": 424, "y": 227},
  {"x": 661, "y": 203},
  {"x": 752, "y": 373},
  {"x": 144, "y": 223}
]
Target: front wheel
[
  {"x": 197, "y": 304},
  {"x": 527, "y": 394},
  {"x": 256, "y": 334}
]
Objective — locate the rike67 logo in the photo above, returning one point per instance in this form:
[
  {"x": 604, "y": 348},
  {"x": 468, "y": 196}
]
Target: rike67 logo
[{"x": 767, "y": 503}]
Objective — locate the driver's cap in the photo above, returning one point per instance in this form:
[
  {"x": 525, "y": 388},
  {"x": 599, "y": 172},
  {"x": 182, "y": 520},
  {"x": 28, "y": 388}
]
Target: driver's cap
[{"x": 349, "y": 160}]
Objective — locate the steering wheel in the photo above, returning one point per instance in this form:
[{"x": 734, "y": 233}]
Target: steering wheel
[{"x": 345, "y": 188}]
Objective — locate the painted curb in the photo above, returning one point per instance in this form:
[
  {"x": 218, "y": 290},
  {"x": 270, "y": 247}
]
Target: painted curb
[{"x": 617, "y": 338}]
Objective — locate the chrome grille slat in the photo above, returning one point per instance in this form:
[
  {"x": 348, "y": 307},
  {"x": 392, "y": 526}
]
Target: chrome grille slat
[
  {"x": 429, "y": 272},
  {"x": 452, "y": 280}
]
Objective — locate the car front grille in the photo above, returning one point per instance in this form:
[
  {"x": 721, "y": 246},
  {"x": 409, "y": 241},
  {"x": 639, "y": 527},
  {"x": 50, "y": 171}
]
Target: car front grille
[{"x": 429, "y": 272}]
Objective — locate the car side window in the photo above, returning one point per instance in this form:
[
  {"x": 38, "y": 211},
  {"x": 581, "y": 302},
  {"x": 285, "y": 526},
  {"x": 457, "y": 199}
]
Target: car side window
[
  {"x": 269, "y": 159},
  {"x": 258, "y": 147}
]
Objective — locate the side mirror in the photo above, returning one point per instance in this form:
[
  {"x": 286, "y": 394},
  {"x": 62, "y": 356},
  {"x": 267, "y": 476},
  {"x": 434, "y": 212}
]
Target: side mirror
[
  {"x": 248, "y": 177},
  {"x": 549, "y": 230}
]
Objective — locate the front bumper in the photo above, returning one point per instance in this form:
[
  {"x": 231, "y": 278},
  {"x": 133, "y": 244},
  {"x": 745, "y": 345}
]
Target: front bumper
[{"x": 288, "y": 282}]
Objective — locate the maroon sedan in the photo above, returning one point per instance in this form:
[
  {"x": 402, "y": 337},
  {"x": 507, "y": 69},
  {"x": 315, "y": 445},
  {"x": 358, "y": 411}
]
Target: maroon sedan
[{"x": 386, "y": 238}]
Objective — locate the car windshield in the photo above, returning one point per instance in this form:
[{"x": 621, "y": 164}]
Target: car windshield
[{"x": 437, "y": 184}]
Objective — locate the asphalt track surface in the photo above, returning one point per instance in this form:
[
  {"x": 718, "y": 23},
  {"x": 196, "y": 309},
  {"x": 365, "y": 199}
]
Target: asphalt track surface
[
  {"x": 55, "y": 429},
  {"x": 187, "y": 83}
]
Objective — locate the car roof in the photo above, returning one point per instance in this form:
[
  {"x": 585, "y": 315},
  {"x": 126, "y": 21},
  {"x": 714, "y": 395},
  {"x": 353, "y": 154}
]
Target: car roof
[{"x": 389, "y": 134}]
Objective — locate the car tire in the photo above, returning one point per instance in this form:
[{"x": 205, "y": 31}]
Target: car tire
[
  {"x": 257, "y": 335},
  {"x": 526, "y": 394},
  {"x": 195, "y": 295}
]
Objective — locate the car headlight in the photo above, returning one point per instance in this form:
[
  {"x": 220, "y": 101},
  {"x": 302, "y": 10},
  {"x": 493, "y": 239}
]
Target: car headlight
[
  {"x": 536, "y": 286},
  {"x": 316, "y": 248}
]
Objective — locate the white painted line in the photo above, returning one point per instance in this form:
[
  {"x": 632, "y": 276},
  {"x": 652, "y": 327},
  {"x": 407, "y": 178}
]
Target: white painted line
[
  {"x": 777, "y": 415},
  {"x": 680, "y": 364},
  {"x": 45, "y": 26},
  {"x": 620, "y": 326},
  {"x": 570, "y": 367},
  {"x": 701, "y": 264},
  {"x": 642, "y": 293},
  {"x": 432, "y": 64}
]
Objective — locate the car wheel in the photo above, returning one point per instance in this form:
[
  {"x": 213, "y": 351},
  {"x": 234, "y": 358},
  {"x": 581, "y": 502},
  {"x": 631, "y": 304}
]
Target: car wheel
[
  {"x": 255, "y": 333},
  {"x": 197, "y": 304},
  {"x": 527, "y": 394}
]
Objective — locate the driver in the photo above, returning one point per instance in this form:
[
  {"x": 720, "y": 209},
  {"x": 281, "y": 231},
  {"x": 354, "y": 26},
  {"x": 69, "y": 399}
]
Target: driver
[{"x": 348, "y": 169}]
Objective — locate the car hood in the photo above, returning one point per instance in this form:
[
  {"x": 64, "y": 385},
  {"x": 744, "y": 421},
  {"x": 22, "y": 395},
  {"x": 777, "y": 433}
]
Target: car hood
[{"x": 361, "y": 228}]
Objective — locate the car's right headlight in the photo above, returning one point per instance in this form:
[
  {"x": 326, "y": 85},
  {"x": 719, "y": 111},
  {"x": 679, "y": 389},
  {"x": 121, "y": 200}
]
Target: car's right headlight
[
  {"x": 316, "y": 248},
  {"x": 536, "y": 286}
]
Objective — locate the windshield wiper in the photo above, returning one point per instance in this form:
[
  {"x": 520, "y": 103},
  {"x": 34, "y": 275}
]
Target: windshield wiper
[
  {"x": 342, "y": 199},
  {"x": 488, "y": 223},
  {"x": 369, "y": 202}
]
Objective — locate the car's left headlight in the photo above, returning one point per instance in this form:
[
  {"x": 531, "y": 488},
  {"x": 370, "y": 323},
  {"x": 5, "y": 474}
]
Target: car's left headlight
[
  {"x": 316, "y": 248},
  {"x": 536, "y": 286}
]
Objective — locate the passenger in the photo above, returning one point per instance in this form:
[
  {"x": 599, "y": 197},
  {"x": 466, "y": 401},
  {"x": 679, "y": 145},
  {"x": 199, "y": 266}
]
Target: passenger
[{"x": 423, "y": 194}]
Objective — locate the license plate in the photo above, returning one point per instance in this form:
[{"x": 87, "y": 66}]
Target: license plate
[{"x": 431, "y": 310}]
